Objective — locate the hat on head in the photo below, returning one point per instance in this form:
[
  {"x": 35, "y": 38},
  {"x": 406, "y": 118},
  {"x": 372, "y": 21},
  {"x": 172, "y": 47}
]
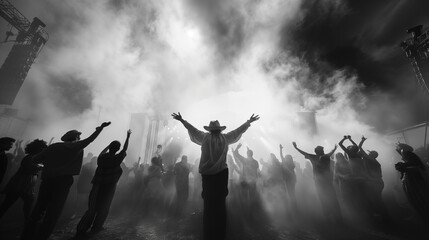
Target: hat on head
[
  {"x": 214, "y": 125},
  {"x": 70, "y": 136}
]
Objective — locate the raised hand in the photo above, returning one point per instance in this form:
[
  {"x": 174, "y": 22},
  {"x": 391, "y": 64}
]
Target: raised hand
[
  {"x": 105, "y": 124},
  {"x": 294, "y": 144},
  {"x": 281, "y": 146},
  {"x": 253, "y": 118},
  {"x": 177, "y": 116},
  {"x": 398, "y": 147},
  {"x": 364, "y": 138},
  {"x": 129, "y": 132}
]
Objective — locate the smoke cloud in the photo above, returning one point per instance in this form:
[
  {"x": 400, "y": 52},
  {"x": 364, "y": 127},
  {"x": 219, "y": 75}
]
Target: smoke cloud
[
  {"x": 222, "y": 60},
  {"x": 207, "y": 59}
]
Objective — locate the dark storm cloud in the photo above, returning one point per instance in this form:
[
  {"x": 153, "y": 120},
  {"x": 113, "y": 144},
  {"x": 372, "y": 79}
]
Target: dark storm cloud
[
  {"x": 362, "y": 37},
  {"x": 355, "y": 38}
]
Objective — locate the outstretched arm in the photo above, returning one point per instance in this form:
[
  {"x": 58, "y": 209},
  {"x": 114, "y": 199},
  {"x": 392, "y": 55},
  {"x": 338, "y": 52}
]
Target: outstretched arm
[
  {"x": 136, "y": 165},
  {"x": 237, "y": 155},
  {"x": 281, "y": 152},
  {"x": 342, "y": 146},
  {"x": 232, "y": 165},
  {"x": 127, "y": 140},
  {"x": 398, "y": 149},
  {"x": 15, "y": 151},
  {"x": 85, "y": 142},
  {"x": 361, "y": 142},
  {"x": 195, "y": 135},
  {"x": 235, "y": 135},
  {"x": 333, "y": 150},
  {"x": 299, "y": 150},
  {"x": 362, "y": 152},
  {"x": 353, "y": 142},
  {"x": 21, "y": 151}
]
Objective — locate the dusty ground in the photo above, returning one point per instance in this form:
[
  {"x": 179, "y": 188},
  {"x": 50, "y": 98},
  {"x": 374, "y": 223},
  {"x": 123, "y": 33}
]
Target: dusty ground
[{"x": 189, "y": 228}]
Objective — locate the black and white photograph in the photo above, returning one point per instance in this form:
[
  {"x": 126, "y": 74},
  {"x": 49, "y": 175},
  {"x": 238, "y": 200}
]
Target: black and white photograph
[{"x": 214, "y": 120}]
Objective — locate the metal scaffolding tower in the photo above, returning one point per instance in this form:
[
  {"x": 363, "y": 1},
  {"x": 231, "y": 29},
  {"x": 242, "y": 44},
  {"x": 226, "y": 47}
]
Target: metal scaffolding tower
[
  {"x": 416, "y": 49},
  {"x": 29, "y": 41}
]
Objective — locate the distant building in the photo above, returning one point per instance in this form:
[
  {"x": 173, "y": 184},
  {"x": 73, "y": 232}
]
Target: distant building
[{"x": 148, "y": 132}]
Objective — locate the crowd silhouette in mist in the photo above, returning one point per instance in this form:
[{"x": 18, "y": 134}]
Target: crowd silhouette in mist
[{"x": 347, "y": 184}]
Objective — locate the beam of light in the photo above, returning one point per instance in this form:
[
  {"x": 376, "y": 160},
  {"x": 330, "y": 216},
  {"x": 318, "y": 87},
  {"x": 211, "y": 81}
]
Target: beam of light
[{"x": 219, "y": 62}]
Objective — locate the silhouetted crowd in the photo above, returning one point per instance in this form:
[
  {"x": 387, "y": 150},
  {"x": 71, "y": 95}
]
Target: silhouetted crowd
[{"x": 345, "y": 184}]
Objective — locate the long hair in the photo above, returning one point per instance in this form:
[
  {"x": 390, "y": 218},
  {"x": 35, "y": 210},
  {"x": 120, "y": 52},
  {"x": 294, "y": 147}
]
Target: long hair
[{"x": 35, "y": 147}]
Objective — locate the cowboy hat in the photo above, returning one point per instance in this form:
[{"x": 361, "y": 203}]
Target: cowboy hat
[
  {"x": 70, "y": 135},
  {"x": 214, "y": 125}
]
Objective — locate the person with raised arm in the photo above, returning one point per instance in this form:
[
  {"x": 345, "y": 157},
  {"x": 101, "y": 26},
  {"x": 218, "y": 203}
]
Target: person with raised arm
[
  {"x": 18, "y": 155},
  {"x": 358, "y": 177},
  {"x": 104, "y": 184},
  {"x": 249, "y": 173},
  {"x": 352, "y": 153},
  {"x": 61, "y": 162},
  {"x": 214, "y": 171},
  {"x": 323, "y": 180},
  {"x": 23, "y": 183}
]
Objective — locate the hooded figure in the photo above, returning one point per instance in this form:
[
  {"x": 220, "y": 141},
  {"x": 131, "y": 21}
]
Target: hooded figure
[{"x": 414, "y": 180}]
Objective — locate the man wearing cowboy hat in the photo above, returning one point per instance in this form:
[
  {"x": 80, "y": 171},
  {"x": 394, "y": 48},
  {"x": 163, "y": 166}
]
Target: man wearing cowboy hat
[
  {"x": 214, "y": 171},
  {"x": 61, "y": 162}
]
